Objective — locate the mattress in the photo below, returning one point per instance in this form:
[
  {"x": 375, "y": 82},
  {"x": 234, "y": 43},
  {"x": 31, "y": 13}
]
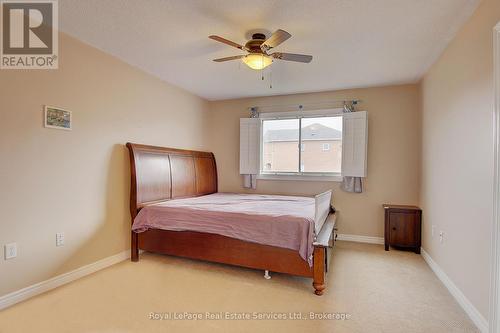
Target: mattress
[{"x": 282, "y": 221}]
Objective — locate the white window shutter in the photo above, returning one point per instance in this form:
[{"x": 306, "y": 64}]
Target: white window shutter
[
  {"x": 354, "y": 144},
  {"x": 249, "y": 146}
]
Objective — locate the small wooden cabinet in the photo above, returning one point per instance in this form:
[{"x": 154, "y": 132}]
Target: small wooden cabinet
[{"x": 403, "y": 226}]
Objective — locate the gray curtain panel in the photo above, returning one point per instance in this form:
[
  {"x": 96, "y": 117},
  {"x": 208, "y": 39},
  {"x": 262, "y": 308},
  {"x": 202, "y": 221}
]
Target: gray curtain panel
[
  {"x": 352, "y": 184},
  {"x": 250, "y": 181}
]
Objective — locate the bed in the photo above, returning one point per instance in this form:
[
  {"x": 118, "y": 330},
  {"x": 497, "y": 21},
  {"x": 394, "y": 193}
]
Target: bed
[{"x": 176, "y": 210}]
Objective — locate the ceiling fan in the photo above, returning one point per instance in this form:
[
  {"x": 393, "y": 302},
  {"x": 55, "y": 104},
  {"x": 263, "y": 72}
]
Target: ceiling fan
[{"x": 258, "y": 47}]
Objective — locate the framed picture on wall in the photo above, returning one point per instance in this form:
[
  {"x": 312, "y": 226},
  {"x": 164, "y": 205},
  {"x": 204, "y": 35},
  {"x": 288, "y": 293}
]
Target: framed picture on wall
[{"x": 57, "y": 118}]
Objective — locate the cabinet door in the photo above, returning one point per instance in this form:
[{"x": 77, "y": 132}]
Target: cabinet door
[{"x": 402, "y": 228}]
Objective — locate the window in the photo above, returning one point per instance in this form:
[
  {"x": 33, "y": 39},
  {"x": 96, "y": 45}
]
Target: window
[
  {"x": 291, "y": 145},
  {"x": 284, "y": 141},
  {"x": 280, "y": 140}
]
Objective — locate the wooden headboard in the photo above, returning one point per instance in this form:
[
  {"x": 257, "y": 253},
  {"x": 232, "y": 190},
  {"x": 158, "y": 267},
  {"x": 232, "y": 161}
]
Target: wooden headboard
[{"x": 160, "y": 174}]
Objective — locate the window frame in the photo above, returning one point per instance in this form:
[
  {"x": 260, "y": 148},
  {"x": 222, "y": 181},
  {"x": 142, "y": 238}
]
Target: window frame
[{"x": 308, "y": 176}]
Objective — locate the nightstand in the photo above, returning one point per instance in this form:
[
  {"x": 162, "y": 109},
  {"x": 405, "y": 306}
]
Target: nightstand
[{"x": 403, "y": 226}]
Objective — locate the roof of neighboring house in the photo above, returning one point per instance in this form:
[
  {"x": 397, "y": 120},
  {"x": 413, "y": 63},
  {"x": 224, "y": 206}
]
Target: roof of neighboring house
[{"x": 311, "y": 132}]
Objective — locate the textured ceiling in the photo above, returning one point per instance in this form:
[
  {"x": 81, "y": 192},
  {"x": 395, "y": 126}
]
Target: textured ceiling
[{"x": 355, "y": 43}]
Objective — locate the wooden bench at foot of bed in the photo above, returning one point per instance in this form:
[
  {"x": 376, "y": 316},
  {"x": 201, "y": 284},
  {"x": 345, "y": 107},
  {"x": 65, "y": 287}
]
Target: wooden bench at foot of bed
[{"x": 160, "y": 174}]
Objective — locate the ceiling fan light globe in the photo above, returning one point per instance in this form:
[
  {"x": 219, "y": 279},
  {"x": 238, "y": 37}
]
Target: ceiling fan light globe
[{"x": 257, "y": 61}]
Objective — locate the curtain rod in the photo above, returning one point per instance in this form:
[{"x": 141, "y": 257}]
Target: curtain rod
[{"x": 340, "y": 103}]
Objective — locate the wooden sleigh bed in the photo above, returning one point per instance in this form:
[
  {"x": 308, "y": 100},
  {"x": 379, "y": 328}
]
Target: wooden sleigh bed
[{"x": 161, "y": 174}]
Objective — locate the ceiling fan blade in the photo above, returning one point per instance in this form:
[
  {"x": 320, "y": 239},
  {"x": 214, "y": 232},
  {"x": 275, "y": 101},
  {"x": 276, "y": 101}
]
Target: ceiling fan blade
[
  {"x": 227, "y": 42},
  {"x": 278, "y": 37},
  {"x": 292, "y": 57},
  {"x": 229, "y": 58}
]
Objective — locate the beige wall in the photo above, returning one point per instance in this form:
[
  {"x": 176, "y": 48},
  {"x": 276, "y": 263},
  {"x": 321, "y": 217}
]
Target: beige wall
[
  {"x": 457, "y": 155},
  {"x": 393, "y": 164},
  {"x": 77, "y": 181}
]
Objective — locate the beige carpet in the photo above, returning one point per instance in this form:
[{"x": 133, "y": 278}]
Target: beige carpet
[{"x": 379, "y": 291}]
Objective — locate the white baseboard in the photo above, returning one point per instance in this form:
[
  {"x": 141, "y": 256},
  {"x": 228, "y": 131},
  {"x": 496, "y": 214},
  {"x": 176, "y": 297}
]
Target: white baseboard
[
  {"x": 57, "y": 281},
  {"x": 471, "y": 311},
  {"x": 360, "y": 239}
]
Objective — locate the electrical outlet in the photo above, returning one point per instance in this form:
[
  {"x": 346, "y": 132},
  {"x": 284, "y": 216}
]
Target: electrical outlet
[
  {"x": 441, "y": 237},
  {"x": 60, "y": 239},
  {"x": 10, "y": 250}
]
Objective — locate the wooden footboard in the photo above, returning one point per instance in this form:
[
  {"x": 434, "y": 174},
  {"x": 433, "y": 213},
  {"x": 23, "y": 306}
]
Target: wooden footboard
[
  {"x": 322, "y": 204},
  {"x": 324, "y": 241}
]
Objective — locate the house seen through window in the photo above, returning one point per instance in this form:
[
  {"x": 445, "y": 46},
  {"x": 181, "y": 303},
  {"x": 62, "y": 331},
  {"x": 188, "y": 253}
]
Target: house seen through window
[{"x": 303, "y": 145}]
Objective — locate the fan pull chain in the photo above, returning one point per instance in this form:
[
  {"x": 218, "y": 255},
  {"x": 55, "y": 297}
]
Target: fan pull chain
[
  {"x": 262, "y": 65},
  {"x": 270, "y": 78}
]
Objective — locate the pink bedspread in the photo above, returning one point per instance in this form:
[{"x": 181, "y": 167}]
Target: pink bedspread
[{"x": 282, "y": 221}]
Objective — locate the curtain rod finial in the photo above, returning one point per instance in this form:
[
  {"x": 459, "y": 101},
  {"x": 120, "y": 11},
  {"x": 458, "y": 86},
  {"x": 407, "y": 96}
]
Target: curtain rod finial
[{"x": 254, "y": 111}]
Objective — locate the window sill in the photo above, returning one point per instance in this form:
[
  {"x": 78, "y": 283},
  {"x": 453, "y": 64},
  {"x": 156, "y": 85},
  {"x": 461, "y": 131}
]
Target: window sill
[{"x": 311, "y": 178}]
